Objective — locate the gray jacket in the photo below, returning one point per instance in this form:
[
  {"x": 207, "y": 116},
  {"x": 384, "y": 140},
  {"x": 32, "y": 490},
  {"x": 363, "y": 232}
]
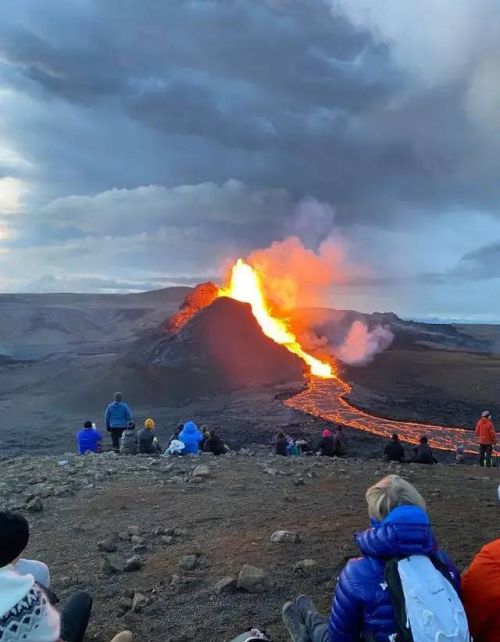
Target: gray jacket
[{"x": 128, "y": 442}]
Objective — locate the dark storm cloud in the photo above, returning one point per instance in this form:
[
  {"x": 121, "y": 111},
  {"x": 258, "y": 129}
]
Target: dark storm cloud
[{"x": 480, "y": 264}]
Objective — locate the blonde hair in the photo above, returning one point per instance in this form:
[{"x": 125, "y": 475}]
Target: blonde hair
[{"x": 390, "y": 492}]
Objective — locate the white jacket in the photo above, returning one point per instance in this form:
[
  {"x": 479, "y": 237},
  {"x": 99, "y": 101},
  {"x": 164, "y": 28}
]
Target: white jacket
[{"x": 25, "y": 612}]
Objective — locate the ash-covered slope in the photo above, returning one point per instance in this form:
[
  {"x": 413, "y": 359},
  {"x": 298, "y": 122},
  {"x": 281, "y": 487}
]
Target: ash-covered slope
[{"x": 224, "y": 340}]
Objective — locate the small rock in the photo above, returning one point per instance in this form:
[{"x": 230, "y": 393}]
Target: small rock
[
  {"x": 133, "y": 564},
  {"x": 188, "y": 562},
  {"x": 137, "y": 539},
  {"x": 139, "y": 601},
  {"x": 124, "y": 604},
  {"x": 227, "y": 583},
  {"x": 252, "y": 579},
  {"x": 166, "y": 540},
  {"x": 139, "y": 549},
  {"x": 201, "y": 471},
  {"x": 305, "y": 566},
  {"x": 123, "y": 536},
  {"x": 133, "y": 530},
  {"x": 299, "y": 481},
  {"x": 107, "y": 545},
  {"x": 180, "y": 532},
  {"x": 197, "y": 480},
  {"x": 271, "y": 471},
  {"x": 111, "y": 565},
  {"x": 285, "y": 537},
  {"x": 35, "y": 505}
]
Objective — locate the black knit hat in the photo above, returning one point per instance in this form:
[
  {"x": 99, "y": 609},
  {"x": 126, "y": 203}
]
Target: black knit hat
[{"x": 14, "y": 536}]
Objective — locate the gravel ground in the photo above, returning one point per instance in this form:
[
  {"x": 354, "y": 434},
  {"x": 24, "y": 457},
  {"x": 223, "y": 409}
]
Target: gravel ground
[{"x": 226, "y": 521}]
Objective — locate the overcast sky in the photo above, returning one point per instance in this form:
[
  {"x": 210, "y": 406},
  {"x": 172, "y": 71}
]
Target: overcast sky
[{"x": 144, "y": 143}]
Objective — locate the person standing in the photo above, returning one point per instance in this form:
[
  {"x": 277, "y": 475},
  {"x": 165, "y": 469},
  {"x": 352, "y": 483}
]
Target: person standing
[
  {"x": 117, "y": 418},
  {"x": 485, "y": 432}
]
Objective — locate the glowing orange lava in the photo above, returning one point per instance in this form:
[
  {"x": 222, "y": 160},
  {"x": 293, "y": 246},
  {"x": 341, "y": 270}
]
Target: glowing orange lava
[{"x": 245, "y": 286}]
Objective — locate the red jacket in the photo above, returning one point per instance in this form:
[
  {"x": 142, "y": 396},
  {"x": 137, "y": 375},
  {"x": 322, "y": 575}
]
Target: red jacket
[
  {"x": 481, "y": 594},
  {"x": 485, "y": 431}
]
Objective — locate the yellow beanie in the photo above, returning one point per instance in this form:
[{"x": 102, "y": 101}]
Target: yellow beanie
[{"x": 149, "y": 423}]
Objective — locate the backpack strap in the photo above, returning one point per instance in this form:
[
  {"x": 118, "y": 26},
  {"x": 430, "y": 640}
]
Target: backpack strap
[{"x": 403, "y": 632}]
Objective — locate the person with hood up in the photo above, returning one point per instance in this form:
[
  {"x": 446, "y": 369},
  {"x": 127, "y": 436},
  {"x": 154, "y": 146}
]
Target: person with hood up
[
  {"x": 89, "y": 439},
  {"x": 191, "y": 437},
  {"x": 147, "y": 443},
  {"x": 362, "y": 607},
  {"x": 214, "y": 444},
  {"x": 281, "y": 445},
  {"x": 485, "y": 432},
  {"x": 26, "y": 610},
  {"x": 423, "y": 453},
  {"x": 326, "y": 446},
  {"x": 394, "y": 450},
  {"x": 481, "y": 593},
  {"x": 128, "y": 441},
  {"x": 117, "y": 417}
]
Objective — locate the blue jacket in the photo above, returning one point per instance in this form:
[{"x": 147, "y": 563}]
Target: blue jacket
[
  {"x": 362, "y": 602},
  {"x": 87, "y": 440},
  {"x": 191, "y": 437},
  {"x": 117, "y": 415}
]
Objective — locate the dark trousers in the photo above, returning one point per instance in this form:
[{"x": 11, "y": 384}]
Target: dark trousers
[
  {"x": 317, "y": 627},
  {"x": 116, "y": 435},
  {"x": 485, "y": 453},
  {"x": 75, "y": 616}
]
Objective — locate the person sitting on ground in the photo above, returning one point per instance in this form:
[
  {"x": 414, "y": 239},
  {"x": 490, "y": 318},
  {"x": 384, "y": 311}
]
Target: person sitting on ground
[
  {"x": 326, "y": 446},
  {"x": 305, "y": 448},
  {"x": 214, "y": 444},
  {"x": 423, "y": 453},
  {"x": 205, "y": 433},
  {"x": 394, "y": 450},
  {"x": 89, "y": 439},
  {"x": 340, "y": 442},
  {"x": 147, "y": 443},
  {"x": 176, "y": 447},
  {"x": 176, "y": 434},
  {"x": 39, "y": 570},
  {"x": 117, "y": 417},
  {"x": 481, "y": 593},
  {"x": 254, "y": 635},
  {"x": 191, "y": 437},
  {"x": 26, "y": 611},
  {"x": 460, "y": 454},
  {"x": 485, "y": 432},
  {"x": 363, "y": 607},
  {"x": 281, "y": 445},
  {"x": 128, "y": 440}
]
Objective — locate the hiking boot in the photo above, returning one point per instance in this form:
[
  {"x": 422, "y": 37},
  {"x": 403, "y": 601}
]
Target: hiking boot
[
  {"x": 305, "y": 605},
  {"x": 294, "y": 622}
]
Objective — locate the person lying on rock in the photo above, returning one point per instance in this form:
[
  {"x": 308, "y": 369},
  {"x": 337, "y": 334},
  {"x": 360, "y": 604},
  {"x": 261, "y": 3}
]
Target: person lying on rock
[
  {"x": 423, "y": 453},
  {"x": 147, "y": 442},
  {"x": 27, "y": 612},
  {"x": 214, "y": 444},
  {"x": 362, "y": 607},
  {"x": 128, "y": 440}
]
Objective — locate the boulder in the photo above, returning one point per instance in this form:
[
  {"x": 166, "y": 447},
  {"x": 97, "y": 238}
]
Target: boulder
[
  {"x": 139, "y": 601},
  {"x": 305, "y": 566},
  {"x": 112, "y": 565},
  {"x": 285, "y": 537},
  {"x": 35, "y": 505},
  {"x": 133, "y": 564},
  {"x": 226, "y": 584},
  {"x": 188, "y": 562},
  {"x": 252, "y": 579},
  {"x": 202, "y": 471}
]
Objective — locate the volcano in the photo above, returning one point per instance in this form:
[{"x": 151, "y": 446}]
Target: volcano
[{"x": 223, "y": 340}]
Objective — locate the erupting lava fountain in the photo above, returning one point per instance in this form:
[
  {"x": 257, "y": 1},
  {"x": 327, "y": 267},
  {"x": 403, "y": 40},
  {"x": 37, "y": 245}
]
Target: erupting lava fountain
[{"x": 325, "y": 398}]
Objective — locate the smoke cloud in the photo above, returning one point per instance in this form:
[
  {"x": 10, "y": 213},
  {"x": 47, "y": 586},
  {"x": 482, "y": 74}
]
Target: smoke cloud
[
  {"x": 362, "y": 344},
  {"x": 295, "y": 276}
]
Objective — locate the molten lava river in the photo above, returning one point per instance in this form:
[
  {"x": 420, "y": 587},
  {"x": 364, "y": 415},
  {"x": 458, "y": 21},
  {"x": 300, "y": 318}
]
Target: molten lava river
[{"x": 326, "y": 393}]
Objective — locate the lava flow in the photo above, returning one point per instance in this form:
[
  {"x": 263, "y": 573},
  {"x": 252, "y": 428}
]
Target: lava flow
[
  {"x": 245, "y": 286},
  {"x": 325, "y": 395}
]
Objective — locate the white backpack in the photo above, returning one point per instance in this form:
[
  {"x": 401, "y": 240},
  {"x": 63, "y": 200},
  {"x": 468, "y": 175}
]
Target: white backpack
[{"x": 427, "y": 607}]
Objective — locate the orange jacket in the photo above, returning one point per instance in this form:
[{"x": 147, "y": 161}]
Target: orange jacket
[
  {"x": 485, "y": 431},
  {"x": 481, "y": 594}
]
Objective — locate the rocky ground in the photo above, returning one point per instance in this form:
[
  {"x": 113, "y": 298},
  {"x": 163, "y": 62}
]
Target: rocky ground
[{"x": 176, "y": 549}]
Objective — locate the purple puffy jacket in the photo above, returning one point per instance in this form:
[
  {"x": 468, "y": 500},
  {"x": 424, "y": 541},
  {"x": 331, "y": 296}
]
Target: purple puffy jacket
[{"x": 362, "y": 603}]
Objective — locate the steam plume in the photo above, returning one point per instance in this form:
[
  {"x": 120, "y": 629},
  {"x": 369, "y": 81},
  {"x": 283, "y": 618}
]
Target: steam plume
[{"x": 362, "y": 344}]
